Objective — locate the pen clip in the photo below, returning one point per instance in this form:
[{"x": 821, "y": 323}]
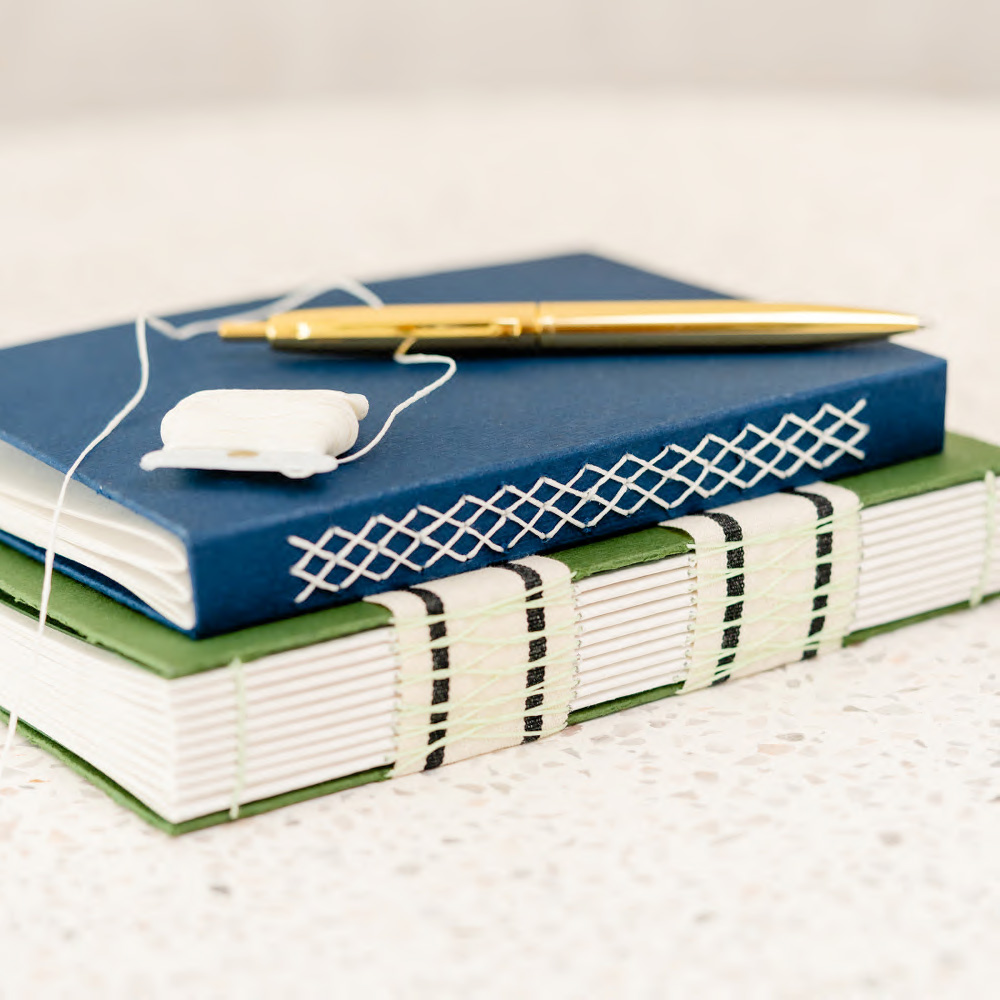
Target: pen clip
[
  {"x": 373, "y": 325},
  {"x": 501, "y": 327}
]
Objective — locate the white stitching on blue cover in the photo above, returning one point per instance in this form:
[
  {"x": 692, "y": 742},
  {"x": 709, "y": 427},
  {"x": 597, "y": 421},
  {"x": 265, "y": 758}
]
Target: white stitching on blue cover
[{"x": 423, "y": 536}]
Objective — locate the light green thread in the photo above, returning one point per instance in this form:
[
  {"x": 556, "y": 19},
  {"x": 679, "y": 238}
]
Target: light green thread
[
  {"x": 465, "y": 714},
  {"x": 474, "y": 729},
  {"x": 428, "y": 675},
  {"x": 702, "y": 667},
  {"x": 713, "y": 605},
  {"x": 474, "y": 702},
  {"x": 483, "y": 731},
  {"x": 417, "y": 647},
  {"x": 979, "y": 591},
  {"x": 490, "y": 677},
  {"x": 750, "y": 654},
  {"x": 461, "y": 708},
  {"x": 537, "y": 597},
  {"x": 778, "y": 617},
  {"x": 469, "y": 637},
  {"x": 762, "y": 650},
  {"x": 716, "y": 604},
  {"x": 240, "y": 693},
  {"x": 704, "y": 576},
  {"x": 806, "y": 531},
  {"x": 794, "y": 539}
]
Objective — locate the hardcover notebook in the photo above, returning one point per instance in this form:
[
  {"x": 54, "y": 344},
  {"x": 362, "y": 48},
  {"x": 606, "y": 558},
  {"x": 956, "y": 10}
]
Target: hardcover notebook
[
  {"x": 192, "y": 732},
  {"x": 516, "y": 455}
]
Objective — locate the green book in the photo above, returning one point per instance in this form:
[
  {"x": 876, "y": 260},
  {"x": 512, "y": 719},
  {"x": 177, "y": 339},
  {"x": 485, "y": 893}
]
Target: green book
[{"x": 189, "y": 733}]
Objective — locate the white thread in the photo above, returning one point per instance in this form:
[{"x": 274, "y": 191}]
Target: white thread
[
  {"x": 402, "y": 358},
  {"x": 285, "y": 303},
  {"x": 979, "y": 591},
  {"x": 240, "y": 772},
  {"x": 424, "y": 535},
  {"x": 50, "y": 553}
]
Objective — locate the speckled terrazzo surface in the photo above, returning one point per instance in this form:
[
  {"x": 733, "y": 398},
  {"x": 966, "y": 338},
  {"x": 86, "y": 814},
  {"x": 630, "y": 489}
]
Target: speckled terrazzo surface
[{"x": 829, "y": 829}]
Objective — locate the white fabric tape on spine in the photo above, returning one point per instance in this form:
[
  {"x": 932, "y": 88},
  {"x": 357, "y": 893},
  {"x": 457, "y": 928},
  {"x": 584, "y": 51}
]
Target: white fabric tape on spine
[
  {"x": 776, "y": 580},
  {"x": 485, "y": 660}
]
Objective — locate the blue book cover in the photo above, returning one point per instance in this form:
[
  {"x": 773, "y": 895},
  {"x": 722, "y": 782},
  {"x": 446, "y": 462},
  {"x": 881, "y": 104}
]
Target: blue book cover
[{"x": 517, "y": 454}]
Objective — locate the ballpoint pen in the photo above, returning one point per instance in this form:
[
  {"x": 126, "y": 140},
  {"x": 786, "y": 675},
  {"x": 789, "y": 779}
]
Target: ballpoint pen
[{"x": 655, "y": 324}]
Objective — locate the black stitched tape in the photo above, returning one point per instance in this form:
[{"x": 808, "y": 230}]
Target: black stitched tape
[
  {"x": 824, "y": 569},
  {"x": 735, "y": 584},
  {"x": 440, "y": 660},
  {"x": 537, "y": 647}
]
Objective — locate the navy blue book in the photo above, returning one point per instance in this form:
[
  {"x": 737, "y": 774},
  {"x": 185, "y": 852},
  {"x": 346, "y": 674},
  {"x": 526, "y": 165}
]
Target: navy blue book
[{"x": 516, "y": 455}]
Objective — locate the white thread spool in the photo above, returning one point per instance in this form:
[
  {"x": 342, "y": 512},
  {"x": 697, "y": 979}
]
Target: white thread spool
[{"x": 297, "y": 432}]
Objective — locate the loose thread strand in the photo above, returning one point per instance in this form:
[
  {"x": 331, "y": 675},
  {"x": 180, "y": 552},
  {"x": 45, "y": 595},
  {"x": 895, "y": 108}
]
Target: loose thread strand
[
  {"x": 401, "y": 357},
  {"x": 50, "y": 550}
]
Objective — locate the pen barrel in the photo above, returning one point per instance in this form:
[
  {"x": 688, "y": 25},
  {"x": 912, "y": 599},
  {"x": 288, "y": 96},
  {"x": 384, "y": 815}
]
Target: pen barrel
[
  {"x": 695, "y": 340},
  {"x": 627, "y": 325},
  {"x": 606, "y": 341},
  {"x": 713, "y": 321}
]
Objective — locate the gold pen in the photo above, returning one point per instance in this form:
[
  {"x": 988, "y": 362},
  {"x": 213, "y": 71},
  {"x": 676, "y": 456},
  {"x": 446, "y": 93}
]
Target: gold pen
[{"x": 657, "y": 324}]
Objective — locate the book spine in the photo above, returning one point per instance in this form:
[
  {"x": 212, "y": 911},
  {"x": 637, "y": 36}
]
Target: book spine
[{"x": 625, "y": 484}]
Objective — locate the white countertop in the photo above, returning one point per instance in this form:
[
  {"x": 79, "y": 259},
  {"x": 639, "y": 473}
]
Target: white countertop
[{"x": 829, "y": 829}]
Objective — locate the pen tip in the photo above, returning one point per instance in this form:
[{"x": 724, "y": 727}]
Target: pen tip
[{"x": 243, "y": 331}]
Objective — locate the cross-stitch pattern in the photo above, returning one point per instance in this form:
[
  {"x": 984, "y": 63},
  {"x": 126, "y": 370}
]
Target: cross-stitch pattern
[{"x": 424, "y": 535}]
